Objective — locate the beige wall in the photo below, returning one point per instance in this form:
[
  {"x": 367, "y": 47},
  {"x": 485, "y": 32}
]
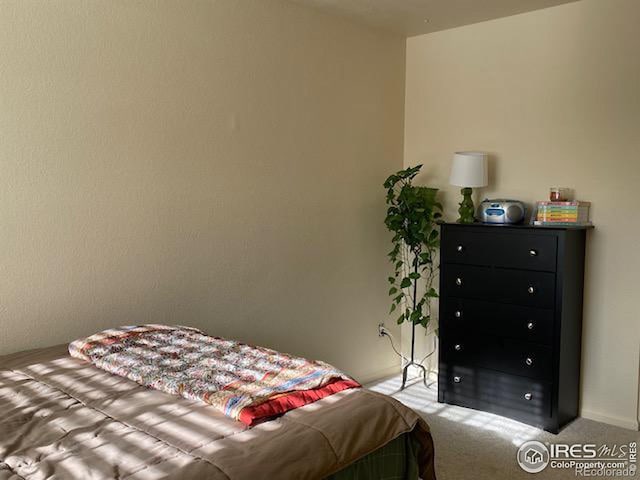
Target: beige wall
[
  {"x": 211, "y": 163},
  {"x": 554, "y": 96}
]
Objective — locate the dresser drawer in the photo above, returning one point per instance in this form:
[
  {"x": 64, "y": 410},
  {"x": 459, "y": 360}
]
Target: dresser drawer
[
  {"x": 514, "y": 250},
  {"x": 522, "y": 287},
  {"x": 497, "y": 319},
  {"x": 505, "y": 355},
  {"x": 520, "y": 398}
]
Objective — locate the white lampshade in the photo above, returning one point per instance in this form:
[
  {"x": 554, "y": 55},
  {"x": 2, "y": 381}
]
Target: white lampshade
[{"x": 469, "y": 169}]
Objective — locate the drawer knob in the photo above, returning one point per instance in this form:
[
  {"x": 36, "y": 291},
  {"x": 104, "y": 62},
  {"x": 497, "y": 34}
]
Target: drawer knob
[
  {"x": 458, "y": 347},
  {"x": 531, "y": 290},
  {"x": 460, "y": 248},
  {"x": 530, "y": 325},
  {"x": 533, "y": 253},
  {"x": 458, "y": 281},
  {"x": 458, "y": 313},
  {"x": 457, "y": 379},
  {"x": 528, "y": 396},
  {"x": 529, "y": 361}
]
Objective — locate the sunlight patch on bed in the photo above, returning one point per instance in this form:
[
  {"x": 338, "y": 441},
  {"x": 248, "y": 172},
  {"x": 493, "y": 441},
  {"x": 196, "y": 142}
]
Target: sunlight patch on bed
[
  {"x": 41, "y": 368},
  {"x": 270, "y": 426},
  {"x": 197, "y": 418},
  {"x": 170, "y": 427}
]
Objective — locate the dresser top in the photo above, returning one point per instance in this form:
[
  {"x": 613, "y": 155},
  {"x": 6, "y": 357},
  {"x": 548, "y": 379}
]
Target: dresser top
[{"x": 521, "y": 226}]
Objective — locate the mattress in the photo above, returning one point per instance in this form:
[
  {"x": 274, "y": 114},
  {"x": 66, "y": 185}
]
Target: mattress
[{"x": 61, "y": 418}]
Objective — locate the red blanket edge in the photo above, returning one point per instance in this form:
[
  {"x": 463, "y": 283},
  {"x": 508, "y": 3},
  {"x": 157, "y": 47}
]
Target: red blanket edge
[{"x": 277, "y": 406}]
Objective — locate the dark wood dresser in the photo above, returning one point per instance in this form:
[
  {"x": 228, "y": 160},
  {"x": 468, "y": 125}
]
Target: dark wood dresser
[{"x": 511, "y": 320}]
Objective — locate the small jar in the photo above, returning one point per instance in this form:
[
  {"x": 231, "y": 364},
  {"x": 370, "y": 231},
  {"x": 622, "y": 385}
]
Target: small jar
[{"x": 558, "y": 194}]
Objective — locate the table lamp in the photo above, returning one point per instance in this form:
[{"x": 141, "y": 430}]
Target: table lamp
[{"x": 468, "y": 170}]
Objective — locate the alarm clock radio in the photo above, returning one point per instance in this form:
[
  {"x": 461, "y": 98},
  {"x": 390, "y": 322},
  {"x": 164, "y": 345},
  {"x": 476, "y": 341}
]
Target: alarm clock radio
[{"x": 502, "y": 211}]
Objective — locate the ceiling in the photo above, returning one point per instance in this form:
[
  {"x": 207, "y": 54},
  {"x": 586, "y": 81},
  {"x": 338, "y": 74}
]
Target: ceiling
[{"x": 415, "y": 17}]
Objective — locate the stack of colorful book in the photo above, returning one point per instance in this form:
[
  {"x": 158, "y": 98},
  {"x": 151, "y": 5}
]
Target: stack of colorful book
[{"x": 562, "y": 213}]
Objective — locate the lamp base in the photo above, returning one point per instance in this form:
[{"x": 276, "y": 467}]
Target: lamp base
[{"x": 466, "y": 209}]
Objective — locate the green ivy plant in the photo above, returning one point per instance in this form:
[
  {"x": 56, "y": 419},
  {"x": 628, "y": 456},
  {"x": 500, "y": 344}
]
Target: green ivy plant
[{"x": 413, "y": 214}]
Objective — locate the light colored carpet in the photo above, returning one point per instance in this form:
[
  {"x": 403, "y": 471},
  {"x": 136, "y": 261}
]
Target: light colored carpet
[{"x": 480, "y": 446}]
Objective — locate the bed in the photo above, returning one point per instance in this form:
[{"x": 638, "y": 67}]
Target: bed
[{"x": 62, "y": 418}]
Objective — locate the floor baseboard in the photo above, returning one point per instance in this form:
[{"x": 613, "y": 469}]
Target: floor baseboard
[
  {"x": 379, "y": 374},
  {"x": 627, "y": 423}
]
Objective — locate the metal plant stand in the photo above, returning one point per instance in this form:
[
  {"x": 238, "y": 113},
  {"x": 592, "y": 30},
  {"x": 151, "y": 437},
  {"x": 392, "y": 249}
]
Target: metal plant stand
[{"x": 405, "y": 369}]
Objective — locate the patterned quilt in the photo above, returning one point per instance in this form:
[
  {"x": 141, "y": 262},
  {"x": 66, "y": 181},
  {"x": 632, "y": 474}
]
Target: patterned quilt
[{"x": 244, "y": 382}]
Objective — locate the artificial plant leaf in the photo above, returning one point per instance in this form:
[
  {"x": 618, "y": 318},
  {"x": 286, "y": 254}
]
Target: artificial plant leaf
[
  {"x": 391, "y": 180},
  {"x": 412, "y": 217}
]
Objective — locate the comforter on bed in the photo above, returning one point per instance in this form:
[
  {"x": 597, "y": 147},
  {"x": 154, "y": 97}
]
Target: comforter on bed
[
  {"x": 244, "y": 382},
  {"x": 62, "y": 418}
]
